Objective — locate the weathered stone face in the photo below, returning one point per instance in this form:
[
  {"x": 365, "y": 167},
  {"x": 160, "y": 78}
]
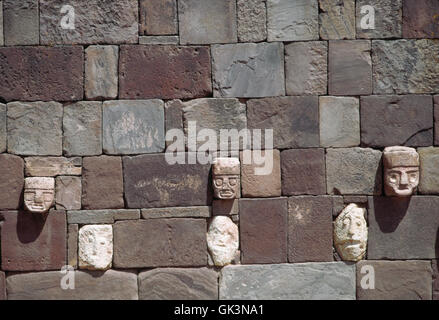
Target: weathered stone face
[
  {"x": 95, "y": 247},
  {"x": 401, "y": 171},
  {"x": 350, "y": 233},
  {"x": 222, "y": 240},
  {"x": 226, "y": 178},
  {"x": 39, "y": 194}
]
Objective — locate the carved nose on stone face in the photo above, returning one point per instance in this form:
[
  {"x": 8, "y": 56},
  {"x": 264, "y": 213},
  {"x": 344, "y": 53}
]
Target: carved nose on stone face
[
  {"x": 404, "y": 180},
  {"x": 39, "y": 197}
]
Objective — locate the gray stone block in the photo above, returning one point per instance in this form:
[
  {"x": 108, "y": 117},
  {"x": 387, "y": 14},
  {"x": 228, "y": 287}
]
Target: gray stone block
[
  {"x": 68, "y": 193},
  {"x": 252, "y": 20},
  {"x": 159, "y": 40},
  {"x": 90, "y": 217},
  {"x": 21, "y": 22},
  {"x": 303, "y": 281},
  {"x": 177, "y": 212},
  {"x": 3, "y": 132},
  {"x": 337, "y": 19},
  {"x": 429, "y": 175},
  {"x": 72, "y": 245}
]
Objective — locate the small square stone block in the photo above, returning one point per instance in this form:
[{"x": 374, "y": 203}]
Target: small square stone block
[
  {"x": 419, "y": 19},
  {"x": 337, "y": 19},
  {"x": 68, "y": 193},
  {"x": 158, "y": 17}
]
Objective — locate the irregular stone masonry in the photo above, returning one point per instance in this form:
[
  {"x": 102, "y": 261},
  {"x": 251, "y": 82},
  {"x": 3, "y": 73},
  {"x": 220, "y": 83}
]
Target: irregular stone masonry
[{"x": 96, "y": 95}]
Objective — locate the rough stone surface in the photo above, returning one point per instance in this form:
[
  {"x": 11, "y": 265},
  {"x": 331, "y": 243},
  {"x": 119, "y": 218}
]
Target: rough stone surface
[
  {"x": 222, "y": 240},
  {"x": 68, "y": 193},
  {"x": 248, "y": 70},
  {"x": 436, "y": 120},
  {"x": 35, "y": 128},
  {"x": 263, "y": 230},
  {"x": 158, "y": 17},
  {"x": 95, "y": 243},
  {"x": 39, "y": 194},
  {"x": 159, "y": 40},
  {"x": 303, "y": 171},
  {"x": 2, "y": 40},
  {"x": 396, "y": 280},
  {"x": 397, "y": 121},
  {"x": 350, "y": 67},
  {"x": 403, "y": 228},
  {"x": 337, "y": 20},
  {"x": 257, "y": 185},
  {"x": 306, "y": 68},
  {"x": 133, "y": 127},
  {"x": 302, "y": 281},
  {"x": 405, "y": 66},
  {"x": 420, "y": 19},
  {"x": 166, "y": 72},
  {"x": 429, "y": 179},
  {"x": 216, "y": 114},
  {"x": 388, "y": 19},
  {"x": 339, "y": 122},
  {"x": 225, "y": 207},
  {"x": 151, "y": 182},
  {"x": 33, "y": 242},
  {"x": 101, "y": 66},
  {"x": 46, "y": 73},
  {"x": 21, "y": 25},
  {"x": 89, "y": 285},
  {"x": 102, "y": 183},
  {"x": 52, "y": 166},
  {"x": 11, "y": 182},
  {"x": 177, "y": 212},
  {"x": 82, "y": 129},
  {"x": 72, "y": 245},
  {"x": 178, "y": 284},
  {"x": 129, "y": 214},
  {"x": 91, "y": 217},
  {"x": 2, "y": 286},
  {"x": 354, "y": 171},
  {"x": 3, "y": 132},
  {"x": 252, "y": 20},
  {"x": 206, "y": 22},
  {"x": 111, "y": 22},
  {"x": 309, "y": 229},
  {"x": 160, "y": 242},
  {"x": 292, "y": 20},
  {"x": 294, "y": 120},
  {"x": 435, "y": 266}
]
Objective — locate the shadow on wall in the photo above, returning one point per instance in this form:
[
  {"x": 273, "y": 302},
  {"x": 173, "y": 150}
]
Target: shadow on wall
[
  {"x": 390, "y": 212},
  {"x": 30, "y": 226}
]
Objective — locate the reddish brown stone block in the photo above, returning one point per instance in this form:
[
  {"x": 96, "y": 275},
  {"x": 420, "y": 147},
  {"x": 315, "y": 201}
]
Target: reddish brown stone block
[
  {"x": 158, "y": 17},
  {"x": 160, "y": 243},
  {"x": 11, "y": 181},
  {"x": 165, "y": 72},
  {"x": 2, "y": 286},
  {"x": 263, "y": 226},
  {"x": 310, "y": 229},
  {"x": 33, "y": 242},
  {"x": 420, "y": 19},
  {"x": 42, "y": 73},
  {"x": 102, "y": 183},
  {"x": 303, "y": 172}
]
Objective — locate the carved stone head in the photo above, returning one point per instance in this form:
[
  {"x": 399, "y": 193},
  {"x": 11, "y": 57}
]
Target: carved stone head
[
  {"x": 226, "y": 178},
  {"x": 39, "y": 194},
  {"x": 401, "y": 171},
  {"x": 95, "y": 247},
  {"x": 350, "y": 233}
]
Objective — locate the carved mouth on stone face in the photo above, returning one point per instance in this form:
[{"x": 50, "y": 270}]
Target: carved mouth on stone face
[
  {"x": 226, "y": 194},
  {"x": 352, "y": 244}
]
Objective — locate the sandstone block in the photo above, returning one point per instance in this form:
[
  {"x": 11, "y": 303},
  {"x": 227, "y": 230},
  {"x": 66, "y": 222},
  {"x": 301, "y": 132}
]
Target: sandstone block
[
  {"x": 181, "y": 212},
  {"x": 68, "y": 193},
  {"x": 166, "y": 72},
  {"x": 21, "y": 25},
  {"x": 82, "y": 129},
  {"x": 337, "y": 20},
  {"x": 303, "y": 171},
  {"x": 35, "y": 128},
  {"x": 133, "y": 127},
  {"x": 58, "y": 78},
  {"x": 91, "y": 216},
  {"x": 263, "y": 230},
  {"x": 95, "y": 243},
  {"x": 419, "y": 19},
  {"x": 102, "y": 183},
  {"x": 72, "y": 245},
  {"x": 52, "y": 166},
  {"x": 158, "y": 17},
  {"x": 429, "y": 178},
  {"x": 252, "y": 20},
  {"x": 160, "y": 243},
  {"x": 178, "y": 284},
  {"x": 248, "y": 70},
  {"x": 3, "y": 131},
  {"x": 11, "y": 182}
]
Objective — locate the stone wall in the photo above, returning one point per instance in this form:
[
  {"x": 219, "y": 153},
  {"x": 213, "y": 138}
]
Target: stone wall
[{"x": 90, "y": 106}]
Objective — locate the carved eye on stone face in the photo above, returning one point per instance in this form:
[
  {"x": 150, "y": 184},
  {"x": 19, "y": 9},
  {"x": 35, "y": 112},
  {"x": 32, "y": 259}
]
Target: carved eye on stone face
[
  {"x": 232, "y": 181},
  {"x": 48, "y": 196},
  {"x": 394, "y": 177},
  {"x": 413, "y": 176},
  {"x": 218, "y": 182}
]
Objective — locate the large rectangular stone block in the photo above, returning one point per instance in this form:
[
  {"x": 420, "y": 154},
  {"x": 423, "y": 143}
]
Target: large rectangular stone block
[
  {"x": 207, "y": 21},
  {"x": 403, "y": 228},
  {"x": 160, "y": 243},
  {"x": 420, "y": 19},
  {"x": 405, "y": 66},
  {"x": 263, "y": 230},
  {"x": 151, "y": 182},
  {"x": 21, "y": 25},
  {"x": 248, "y": 70},
  {"x": 89, "y": 285},
  {"x": 429, "y": 175},
  {"x": 46, "y": 73},
  {"x": 310, "y": 229},
  {"x": 177, "y": 212},
  {"x": 165, "y": 72},
  {"x": 33, "y": 242},
  {"x": 158, "y": 17},
  {"x": 292, "y": 20},
  {"x": 395, "y": 280},
  {"x": 252, "y": 20},
  {"x": 337, "y": 19},
  {"x": 35, "y": 128},
  {"x": 3, "y": 131},
  {"x": 96, "y": 21},
  {"x": 303, "y": 281},
  {"x": 52, "y": 166}
]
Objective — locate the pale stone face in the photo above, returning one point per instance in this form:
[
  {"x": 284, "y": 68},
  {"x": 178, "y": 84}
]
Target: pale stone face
[
  {"x": 39, "y": 194},
  {"x": 95, "y": 247},
  {"x": 350, "y": 233},
  {"x": 226, "y": 178},
  {"x": 401, "y": 171},
  {"x": 222, "y": 240}
]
